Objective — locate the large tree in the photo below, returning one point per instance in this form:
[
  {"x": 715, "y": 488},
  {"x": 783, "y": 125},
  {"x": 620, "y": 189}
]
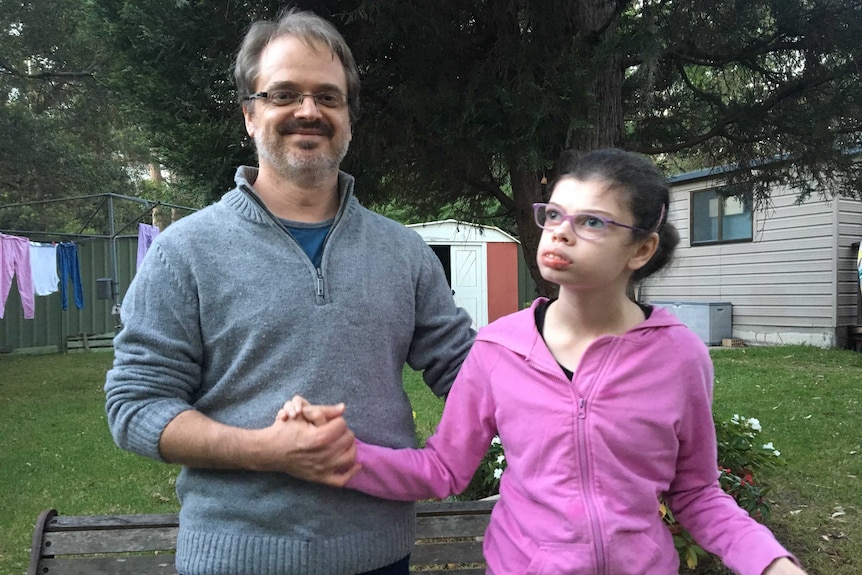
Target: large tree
[
  {"x": 471, "y": 102},
  {"x": 61, "y": 134}
]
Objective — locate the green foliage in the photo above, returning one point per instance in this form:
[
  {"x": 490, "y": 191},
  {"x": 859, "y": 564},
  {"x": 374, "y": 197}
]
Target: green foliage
[
  {"x": 63, "y": 135},
  {"x": 172, "y": 71},
  {"x": 471, "y": 103},
  {"x": 741, "y": 452}
]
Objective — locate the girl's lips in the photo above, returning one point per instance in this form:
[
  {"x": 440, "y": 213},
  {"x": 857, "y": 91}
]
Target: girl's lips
[{"x": 555, "y": 261}]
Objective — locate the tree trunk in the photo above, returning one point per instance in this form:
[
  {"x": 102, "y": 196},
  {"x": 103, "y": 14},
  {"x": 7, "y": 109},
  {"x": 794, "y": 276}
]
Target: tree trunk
[
  {"x": 527, "y": 189},
  {"x": 160, "y": 217},
  {"x": 594, "y": 22},
  {"x": 155, "y": 173},
  {"x": 597, "y": 24}
]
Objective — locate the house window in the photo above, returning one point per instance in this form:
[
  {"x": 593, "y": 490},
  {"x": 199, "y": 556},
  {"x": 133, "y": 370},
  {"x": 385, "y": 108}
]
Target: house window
[{"x": 716, "y": 218}]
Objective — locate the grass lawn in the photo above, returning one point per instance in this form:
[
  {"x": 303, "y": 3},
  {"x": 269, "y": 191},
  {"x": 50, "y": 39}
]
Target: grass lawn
[{"x": 55, "y": 449}]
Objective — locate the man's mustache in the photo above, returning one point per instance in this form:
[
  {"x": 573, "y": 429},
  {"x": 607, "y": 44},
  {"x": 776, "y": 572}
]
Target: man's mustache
[{"x": 294, "y": 126}]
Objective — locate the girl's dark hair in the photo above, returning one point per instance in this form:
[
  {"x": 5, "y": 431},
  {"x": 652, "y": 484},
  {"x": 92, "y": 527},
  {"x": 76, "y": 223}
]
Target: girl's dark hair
[
  {"x": 641, "y": 185},
  {"x": 304, "y": 25}
]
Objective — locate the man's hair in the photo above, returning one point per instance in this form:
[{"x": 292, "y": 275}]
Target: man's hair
[{"x": 306, "y": 26}]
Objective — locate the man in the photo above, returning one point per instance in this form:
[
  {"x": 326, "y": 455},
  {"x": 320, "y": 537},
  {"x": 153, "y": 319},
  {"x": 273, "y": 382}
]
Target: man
[{"x": 286, "y": 286}]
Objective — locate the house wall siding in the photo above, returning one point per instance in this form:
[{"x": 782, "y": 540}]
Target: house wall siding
[{"x": 781, "y": 285}]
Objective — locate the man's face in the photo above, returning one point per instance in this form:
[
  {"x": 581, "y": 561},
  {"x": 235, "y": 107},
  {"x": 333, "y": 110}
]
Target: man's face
[{"x": 300, "y": 142}]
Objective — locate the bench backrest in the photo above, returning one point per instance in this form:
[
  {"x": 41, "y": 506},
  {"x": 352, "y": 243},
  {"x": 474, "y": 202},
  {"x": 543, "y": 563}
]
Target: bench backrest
[{"x": 448, "y": 542}]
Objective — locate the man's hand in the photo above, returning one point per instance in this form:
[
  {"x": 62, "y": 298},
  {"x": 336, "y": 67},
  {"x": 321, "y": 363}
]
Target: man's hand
[
  {"x": 298, "y": 411},
  {"x": 319, "y": 448},
  {"x": 318, "y": 444}
]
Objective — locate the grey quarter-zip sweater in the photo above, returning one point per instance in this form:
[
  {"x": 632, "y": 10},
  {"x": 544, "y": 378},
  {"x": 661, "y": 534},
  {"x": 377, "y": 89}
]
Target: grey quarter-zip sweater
[{"x": 228, "y": 316}]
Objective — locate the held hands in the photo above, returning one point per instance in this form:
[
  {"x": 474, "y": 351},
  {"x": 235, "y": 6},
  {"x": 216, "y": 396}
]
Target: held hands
[
  {"x": 783, "y": 566},
  {"x": 327, "y": 446}
]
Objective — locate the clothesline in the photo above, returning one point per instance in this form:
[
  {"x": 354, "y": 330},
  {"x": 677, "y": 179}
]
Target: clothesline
[
  {"x": 35, "y": 265},
  {"x": 14, "y": 263},
  {"x": 152, "y": 203},
  {"x": 75, "y": 237},
  {"x": 150, "y": 206}
]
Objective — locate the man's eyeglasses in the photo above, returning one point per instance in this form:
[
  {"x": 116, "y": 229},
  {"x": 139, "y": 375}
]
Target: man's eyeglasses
[
  {"x": 327, "y": 99},
  {"x": 586, "y": 226}
]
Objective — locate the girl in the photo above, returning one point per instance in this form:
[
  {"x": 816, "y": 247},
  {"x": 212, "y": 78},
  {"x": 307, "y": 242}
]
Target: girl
[{"x": 602, "y": 404}]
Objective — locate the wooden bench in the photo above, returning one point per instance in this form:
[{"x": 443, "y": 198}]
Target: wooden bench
[
  {"x": 448, "y": 542},
  {"x": 82, "y": 342}
]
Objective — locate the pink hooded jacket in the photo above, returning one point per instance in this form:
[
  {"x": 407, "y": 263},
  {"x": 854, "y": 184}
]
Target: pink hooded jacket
[{"x": 587, "y": 459}]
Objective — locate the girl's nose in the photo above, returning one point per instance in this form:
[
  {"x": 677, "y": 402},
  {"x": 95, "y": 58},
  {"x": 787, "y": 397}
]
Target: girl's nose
[{"x": 564, "y": 233}]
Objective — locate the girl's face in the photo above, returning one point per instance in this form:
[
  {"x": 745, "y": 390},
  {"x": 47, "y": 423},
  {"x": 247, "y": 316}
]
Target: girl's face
[{"x": 603, "y": 263}]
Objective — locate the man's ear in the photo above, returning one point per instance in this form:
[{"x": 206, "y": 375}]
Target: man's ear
[
  {"x": 646, "y": 249},
  {"x": 248, "y": 115}
]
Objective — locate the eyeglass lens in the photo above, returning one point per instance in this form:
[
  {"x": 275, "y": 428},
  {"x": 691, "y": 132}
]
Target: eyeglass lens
[
  {"x": 329, "y": 99},
  {"x": 586, "y": 226}
]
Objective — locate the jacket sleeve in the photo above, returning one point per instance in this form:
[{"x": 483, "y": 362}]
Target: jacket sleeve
[
  {"x": 157, "y": 356},
  {"x": 450, "y": 457},
  {"x": 712, "y": 516},
  {"x": 443, "y": 334}
]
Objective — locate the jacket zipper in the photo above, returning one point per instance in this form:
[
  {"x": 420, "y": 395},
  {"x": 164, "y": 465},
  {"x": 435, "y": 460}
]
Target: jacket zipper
[
  {"x": 585, "y": 486},
  {"x": 319, "y": 282},
  {"x": 583, "y": 466}
]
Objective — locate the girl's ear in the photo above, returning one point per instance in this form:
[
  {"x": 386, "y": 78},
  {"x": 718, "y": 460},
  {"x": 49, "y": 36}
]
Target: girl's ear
[{"x": 645, "y": 250}]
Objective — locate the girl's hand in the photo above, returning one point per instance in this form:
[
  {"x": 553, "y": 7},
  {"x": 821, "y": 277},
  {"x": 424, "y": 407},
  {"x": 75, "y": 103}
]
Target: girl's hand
[
  {"x": 292, "y": 409},
  {"x": 299, "y": 408},
  {"x": 783, "y": 566}
]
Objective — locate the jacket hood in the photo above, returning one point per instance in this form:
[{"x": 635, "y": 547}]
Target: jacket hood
[{"x": 509, "y": 331}]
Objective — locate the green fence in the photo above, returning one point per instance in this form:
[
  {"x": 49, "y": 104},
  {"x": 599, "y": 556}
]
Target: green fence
[{"x": 49, "y": 329}]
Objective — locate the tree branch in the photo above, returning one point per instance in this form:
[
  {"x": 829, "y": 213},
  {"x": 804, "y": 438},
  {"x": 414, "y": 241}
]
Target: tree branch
[{"x": 7, "y": 69}]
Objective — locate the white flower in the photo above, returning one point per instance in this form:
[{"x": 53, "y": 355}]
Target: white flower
[
  {"x": 776, "y": 453},
  {"x": 501, "y": 458},
  {"x": 754, "y": 424},
  {"x": 768, "y": 446},
  {"x": 496, "y": 440},
  {"x": 498, "y": 473}
]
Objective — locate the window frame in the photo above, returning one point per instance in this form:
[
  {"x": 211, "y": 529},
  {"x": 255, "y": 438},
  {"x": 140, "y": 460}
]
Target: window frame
[{"x": 721, "y": 194}]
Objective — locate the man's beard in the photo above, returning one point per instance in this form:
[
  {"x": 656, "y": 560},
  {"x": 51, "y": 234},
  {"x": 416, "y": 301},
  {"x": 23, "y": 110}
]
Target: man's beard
[{"x": 304, "y": 170}]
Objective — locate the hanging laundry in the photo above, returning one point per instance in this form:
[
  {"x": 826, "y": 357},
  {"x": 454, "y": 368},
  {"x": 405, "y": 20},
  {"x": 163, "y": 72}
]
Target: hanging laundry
[
  {"x": 15, "y": 261},
  {"x": 146, "y": 235},
  {"x": 43, "y": 263},
  {"x": 67, "y": 261}
]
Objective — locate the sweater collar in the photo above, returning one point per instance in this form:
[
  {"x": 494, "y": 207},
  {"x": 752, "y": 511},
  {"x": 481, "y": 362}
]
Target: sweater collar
[{"x": 248, "y": 204}]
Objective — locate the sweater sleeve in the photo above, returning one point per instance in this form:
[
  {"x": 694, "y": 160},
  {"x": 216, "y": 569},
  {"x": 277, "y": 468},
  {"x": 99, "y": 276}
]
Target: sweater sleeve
[
  {"x": 442, "y": 334},
  {"x": 157, "y": 356},
  {"x": 712, "y": 516},
  {"x": 450, "y": 457}
]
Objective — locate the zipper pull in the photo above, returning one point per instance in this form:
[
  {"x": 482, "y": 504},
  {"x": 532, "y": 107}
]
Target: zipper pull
[
  {"x": 582, "y": 408},
  {"x": 319, "y": 282}
]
